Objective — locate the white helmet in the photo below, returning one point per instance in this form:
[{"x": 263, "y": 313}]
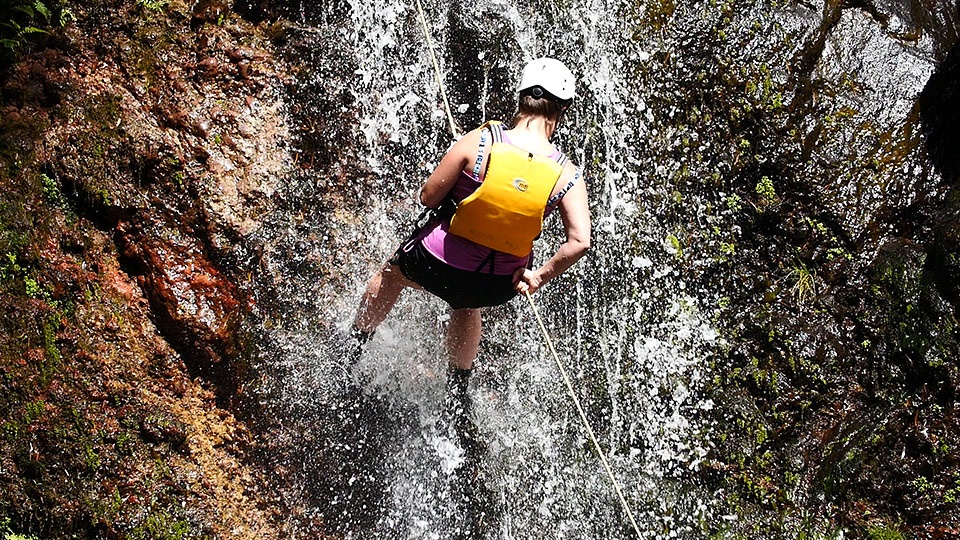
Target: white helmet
[{"x": 551, "y": 75}]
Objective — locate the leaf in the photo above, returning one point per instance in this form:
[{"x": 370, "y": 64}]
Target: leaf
[
  {"x": 66, "y": 16},
  {"x": 42, "y": 9},
  {"x": 27, "y": 10},
  {"x": 33, "y": 30}
]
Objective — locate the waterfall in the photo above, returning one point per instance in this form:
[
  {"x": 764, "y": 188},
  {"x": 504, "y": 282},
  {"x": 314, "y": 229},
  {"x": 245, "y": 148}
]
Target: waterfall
[
  {"x": 633, "y": 332},
  {"x": 637, "y": 322}
]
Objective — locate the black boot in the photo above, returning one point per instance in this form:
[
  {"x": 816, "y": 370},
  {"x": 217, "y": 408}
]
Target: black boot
[
  {"x": 468, "y": 485},
  {"x": 459, "y": 410}
]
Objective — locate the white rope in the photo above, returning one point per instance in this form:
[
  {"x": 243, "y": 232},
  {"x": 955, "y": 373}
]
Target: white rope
[
  {"x": 436, "y": 68},
  {"x": 583, "y": 416}
]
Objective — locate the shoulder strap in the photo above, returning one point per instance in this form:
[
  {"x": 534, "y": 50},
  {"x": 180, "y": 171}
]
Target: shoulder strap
[
  {"x": 480, "y": 149},
  {"x": 495, "y": 129},
  {"x": 573, "y": 181}
]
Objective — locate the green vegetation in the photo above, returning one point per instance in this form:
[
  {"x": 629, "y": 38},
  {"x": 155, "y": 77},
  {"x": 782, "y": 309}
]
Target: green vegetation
[
  {"x": 675, "y": 246},
  {"x": 804, "y": 285},
  {"x": 734, "y": 202},
  {"x": 154, "y": 5},
  {"x": 161, "y": 526},
  {"x": 51, "y": 190},
  {"x": 7, "y": 534},
  {"x": 884, "y": 531},
  {"x": 24, "y": 23},
  {"x": 766, "y": 191}
]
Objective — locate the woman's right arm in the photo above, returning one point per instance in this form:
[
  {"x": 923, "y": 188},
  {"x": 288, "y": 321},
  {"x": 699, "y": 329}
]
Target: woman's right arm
[
  {"x": 444, "y": 177},
  {"x": 575, "y": 213}
]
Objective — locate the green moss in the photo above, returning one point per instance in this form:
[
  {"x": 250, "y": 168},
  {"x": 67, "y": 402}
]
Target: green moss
[
  {"x": 922, "y": 485},
  {"x": 104, "y": 113},
  {"x": 804, "y": 283},
  {"x": 766, "y": 191},
  {"x": 734, "y": 202},
  {"x": 125, "y": 443},
  {"x": 162, "y": 526},
  {"x": 154, "y": 5},
  {"x": 676, "y": 246},
  {"x": 952, "y": 495},
  {"x": 884, "y": 531},
  {"x": 659, "y": 13},
  {"x": 31, "y": 287},
  {"x": 33, "y": 411},
  {"x": 51, "y": 190},
  {"x": 52, "y": 357},
  {"x": 91, "y": 458},
  {"x": 7, "y": 533},
  {"x": 108, "y": 509}
]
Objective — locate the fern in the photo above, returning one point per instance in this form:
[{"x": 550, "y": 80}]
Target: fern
[
  {"x": 42, "y": 9},
  {"x": 25, "y": 23}
]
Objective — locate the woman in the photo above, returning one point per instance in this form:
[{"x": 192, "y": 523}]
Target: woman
[{"x": 482, "y": 255}]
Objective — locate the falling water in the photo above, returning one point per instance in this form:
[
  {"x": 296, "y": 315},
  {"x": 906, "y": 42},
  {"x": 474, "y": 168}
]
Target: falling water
[{"x": 632, "y": 332}]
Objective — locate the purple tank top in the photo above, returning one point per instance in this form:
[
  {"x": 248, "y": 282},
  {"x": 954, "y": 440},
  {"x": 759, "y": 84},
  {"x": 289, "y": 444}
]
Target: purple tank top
[{"x": 464, "y": 254}]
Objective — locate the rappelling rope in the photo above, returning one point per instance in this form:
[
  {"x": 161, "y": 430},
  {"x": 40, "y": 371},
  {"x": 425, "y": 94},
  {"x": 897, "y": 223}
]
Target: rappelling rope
[
  {"x": 583, "y": 416},
  {"x": 436, "y": 68}
]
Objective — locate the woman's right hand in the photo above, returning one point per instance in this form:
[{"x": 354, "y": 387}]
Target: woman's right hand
[{"x": 526, "y": 280}]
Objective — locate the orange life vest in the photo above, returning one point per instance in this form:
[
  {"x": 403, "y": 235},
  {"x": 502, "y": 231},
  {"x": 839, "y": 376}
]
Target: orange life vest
[{"x": 506, "y": 212}]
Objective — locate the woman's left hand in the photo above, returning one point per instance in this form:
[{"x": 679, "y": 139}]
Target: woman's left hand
[{"x": 525, "y": 280}]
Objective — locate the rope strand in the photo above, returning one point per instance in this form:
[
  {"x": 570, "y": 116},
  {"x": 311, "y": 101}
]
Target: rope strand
[
  {"x": 436, "y": 67},
  {"x": 583, "y": 415}
]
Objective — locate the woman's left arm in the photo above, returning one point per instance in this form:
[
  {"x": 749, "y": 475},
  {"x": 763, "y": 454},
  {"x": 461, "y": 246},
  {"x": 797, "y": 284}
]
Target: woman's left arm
[{"x": 575, "y": 213}]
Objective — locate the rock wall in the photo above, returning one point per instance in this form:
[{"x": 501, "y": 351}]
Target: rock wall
[{"x": 139, "y": 148}]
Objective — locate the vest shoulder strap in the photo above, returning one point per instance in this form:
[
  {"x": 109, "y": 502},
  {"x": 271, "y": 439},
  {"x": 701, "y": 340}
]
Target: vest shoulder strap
[
  {"x": 563, "y": 191},
  {"x": 495, "y": 129}
]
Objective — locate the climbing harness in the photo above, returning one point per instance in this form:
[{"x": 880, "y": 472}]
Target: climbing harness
[
  {"x": 506, "y": 212},
  {"x": 543, "y": 328},
  {"x": 583, "y": 415}
]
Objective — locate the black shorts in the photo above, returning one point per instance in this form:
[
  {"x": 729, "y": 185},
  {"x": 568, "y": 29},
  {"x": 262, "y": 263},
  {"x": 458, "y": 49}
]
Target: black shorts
[{"x": 459, "y": 288}]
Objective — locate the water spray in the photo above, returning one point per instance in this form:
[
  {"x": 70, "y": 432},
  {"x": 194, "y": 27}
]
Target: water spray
[
  {"x": 583, "y": 416},
  {"x": 436, "y": 69}
]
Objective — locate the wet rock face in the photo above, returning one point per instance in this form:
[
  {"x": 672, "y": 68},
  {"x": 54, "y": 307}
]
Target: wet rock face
[
  {"x": 945, "y": 257},
  {"x": 194, "y": 304},
  {"x": 940, "y": 116},
  {"x": 842, "y": 299},
  {"x": 311, "y": 12},
  {"x": 208, "y": 12},
  {"x": 138, "y": 156},
  {"x": 176, "y": 160}
]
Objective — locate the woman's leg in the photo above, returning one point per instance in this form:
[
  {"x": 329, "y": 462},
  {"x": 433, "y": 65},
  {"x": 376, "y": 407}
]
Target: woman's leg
[
  {"x": 463, "y": 340},
  {"x": 382, "y": 292},
  {"x": 463, "y": 337}
]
